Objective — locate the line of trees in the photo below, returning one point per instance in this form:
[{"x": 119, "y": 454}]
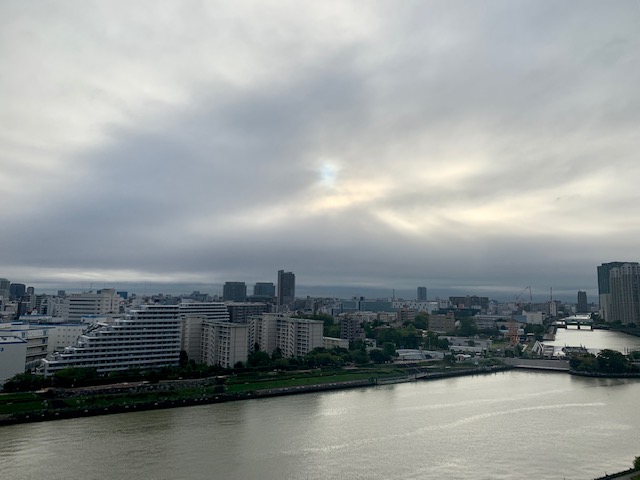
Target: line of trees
[{"x": 607, "y": 361}]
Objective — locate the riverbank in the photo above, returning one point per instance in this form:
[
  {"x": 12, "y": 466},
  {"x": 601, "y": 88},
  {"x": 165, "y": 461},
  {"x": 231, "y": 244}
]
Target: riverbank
[{"x": 57, "y": 404}]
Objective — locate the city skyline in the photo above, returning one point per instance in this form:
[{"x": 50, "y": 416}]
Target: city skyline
[{"x": 472, "y": 149}]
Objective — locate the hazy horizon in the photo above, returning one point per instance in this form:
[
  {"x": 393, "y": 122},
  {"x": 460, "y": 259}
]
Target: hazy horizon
[{"x": 319, "y": 291}]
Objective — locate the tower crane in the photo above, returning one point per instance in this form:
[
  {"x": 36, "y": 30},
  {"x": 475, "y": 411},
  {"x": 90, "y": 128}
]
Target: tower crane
[
  {"x": 513, "y": 325},
  {"x": 518, "y": 300}
]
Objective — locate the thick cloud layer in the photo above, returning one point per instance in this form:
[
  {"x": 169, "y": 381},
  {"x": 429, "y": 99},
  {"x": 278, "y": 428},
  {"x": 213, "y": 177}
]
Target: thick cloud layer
[{"x": 480, "y": 147}]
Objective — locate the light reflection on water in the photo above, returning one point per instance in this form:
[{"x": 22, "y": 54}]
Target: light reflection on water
[
  {"x": 501, "y": 426},
  {"x": 594, "y": 340}
]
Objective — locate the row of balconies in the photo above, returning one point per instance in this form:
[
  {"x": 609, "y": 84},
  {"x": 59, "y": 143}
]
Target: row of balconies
[{"x": 111, "y": 358}]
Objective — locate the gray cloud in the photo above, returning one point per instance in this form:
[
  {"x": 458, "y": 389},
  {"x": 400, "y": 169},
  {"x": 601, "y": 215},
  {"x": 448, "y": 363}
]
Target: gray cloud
[{"x": 454, "y": 145}]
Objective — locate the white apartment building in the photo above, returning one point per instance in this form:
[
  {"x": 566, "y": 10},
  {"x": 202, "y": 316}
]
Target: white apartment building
[
  {"x": 224, "y": 343},
  {"x": 193, "y": 315},
  {"x": 62, "y": 335},
  {"x": 36, "y": 336},
  {"x": 78, "y": 305},
  {"x": 418, "y": 305},
  {"x": 146, "y": 338},
  {"x": 295, "y": 337},
  {"x": 13, "y": 354}
]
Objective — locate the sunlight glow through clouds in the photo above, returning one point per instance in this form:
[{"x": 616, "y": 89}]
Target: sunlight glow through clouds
[{"x": 146, "y": 136}]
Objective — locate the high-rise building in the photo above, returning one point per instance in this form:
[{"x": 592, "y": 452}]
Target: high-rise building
[
  {"x": 17, "y": 291},
  {"x": 263, "y": 291},
  {"x": 193, "y": 316},
  {"x": 582, "y": 302},
  {"x": 422, "y": 294},
  {"x": 5, "y": 286},
  {"x": 234, "y": 292},
  {"x": 286, "y": 287},
  {"x": 224, "y": 343},
  {"x": 624, "y": 284},
  {"x": 604, "y": 290}
]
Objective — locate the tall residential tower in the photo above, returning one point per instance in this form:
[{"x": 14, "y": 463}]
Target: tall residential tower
[{"x": 286, "y": 287}]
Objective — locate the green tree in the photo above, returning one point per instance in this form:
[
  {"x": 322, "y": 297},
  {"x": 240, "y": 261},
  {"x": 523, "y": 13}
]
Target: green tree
[
  {"x": 24, "y": 382},
  {"x": 75, "y": 377},
  {"x": 422, "y": 320},
  {"x": 359, "y": 356},
  {"x": 612, "y": 361},
  {"x": 332, "y": 331},
  {"x": 584, "y": 363},
  {"x": 468, "y": 327},
  {"x": 378, "y": 356},
  {"x": 184, "y": 358},
  {"x": 258, "y": 359},
  {"x": 449, "y": 360},
  {"x": 636, "y": 463},
  {"x": 389, "y": 349}
]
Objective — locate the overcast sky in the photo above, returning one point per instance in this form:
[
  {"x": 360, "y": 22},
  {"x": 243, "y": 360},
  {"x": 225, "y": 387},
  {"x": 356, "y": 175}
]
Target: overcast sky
[{"x": 476, "y": 147}]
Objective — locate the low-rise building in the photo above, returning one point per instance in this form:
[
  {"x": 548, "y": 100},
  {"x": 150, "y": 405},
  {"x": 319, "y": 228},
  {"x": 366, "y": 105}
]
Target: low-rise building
[
  {"x": 103, "y": 302},
  {"x": 330, "y": 342},
  {"x": 239, "y": 312},
  {"x": 36, "y": 336},
  {"x": 13, "y": 354},
  {"x": 442, "y": 323}
]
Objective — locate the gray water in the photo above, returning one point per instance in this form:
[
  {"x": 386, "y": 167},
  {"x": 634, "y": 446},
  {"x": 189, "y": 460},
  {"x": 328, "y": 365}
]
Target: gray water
[
  {"x": 509, "y": 425},
  {"x": 594, "y": 340}
]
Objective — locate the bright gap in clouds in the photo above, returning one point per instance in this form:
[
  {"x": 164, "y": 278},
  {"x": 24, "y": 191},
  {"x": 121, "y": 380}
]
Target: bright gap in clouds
[{"x": 328, "y": 173}]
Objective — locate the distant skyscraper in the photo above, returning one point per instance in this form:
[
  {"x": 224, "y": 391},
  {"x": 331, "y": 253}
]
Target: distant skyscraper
[
  {"x": 234, "y": 292},
  {"x": 624, "y": 283},
  {"x": 17, "y": 291},
  {"x": 264, "y": 289},
  {"x": 286, "y": 287},
  {"x": 422, "y": 293},
  {"x": 604, "y": 290},
  {"x": 4, "y": 289},
  {"x": 582, "y": 302}
]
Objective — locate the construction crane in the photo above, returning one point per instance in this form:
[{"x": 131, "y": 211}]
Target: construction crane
[
  {"x": 518, "y": 300},
  {"x": 514, "y": 338}
]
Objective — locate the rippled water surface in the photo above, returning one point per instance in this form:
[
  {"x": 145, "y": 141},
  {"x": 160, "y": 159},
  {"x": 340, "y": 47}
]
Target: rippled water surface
[{"x": 503, "y": 426}]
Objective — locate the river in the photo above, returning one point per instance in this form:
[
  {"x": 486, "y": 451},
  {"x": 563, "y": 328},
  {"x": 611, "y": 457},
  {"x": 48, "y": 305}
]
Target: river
[
  {"x": 508, "y": 425},
  {"x": 594, "y": 340}
]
